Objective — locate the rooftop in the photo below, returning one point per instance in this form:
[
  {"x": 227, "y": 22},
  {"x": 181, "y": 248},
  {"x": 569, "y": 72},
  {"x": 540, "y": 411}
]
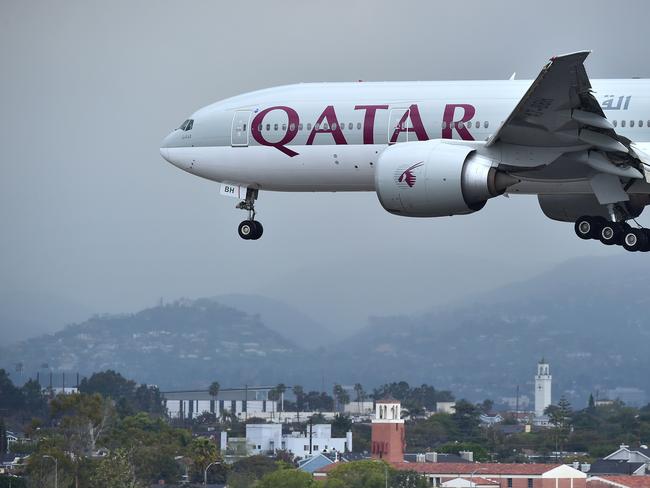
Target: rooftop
[{"x": 623, "y": 481}]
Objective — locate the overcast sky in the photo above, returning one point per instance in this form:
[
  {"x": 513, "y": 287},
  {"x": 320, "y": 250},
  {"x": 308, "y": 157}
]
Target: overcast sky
[{"x": 93, "y": 217}]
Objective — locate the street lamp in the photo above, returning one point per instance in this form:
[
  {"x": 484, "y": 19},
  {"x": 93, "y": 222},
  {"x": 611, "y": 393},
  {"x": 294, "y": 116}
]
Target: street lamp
[
  {"x": 56, "y": 469},
  {"x": 205, "y": 472}
]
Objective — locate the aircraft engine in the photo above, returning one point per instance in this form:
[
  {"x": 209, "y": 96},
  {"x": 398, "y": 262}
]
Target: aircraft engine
[{"x": 436, "y": 178}]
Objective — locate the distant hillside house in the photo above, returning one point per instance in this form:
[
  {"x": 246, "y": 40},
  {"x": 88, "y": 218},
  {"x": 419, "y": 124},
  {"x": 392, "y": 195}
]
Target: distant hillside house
[
  {"x": 623, "y": 461},
  {"x": 243, "y": 402}
]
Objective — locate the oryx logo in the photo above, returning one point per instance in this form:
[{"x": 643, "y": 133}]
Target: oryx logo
[{"x": 408, "y": 176}]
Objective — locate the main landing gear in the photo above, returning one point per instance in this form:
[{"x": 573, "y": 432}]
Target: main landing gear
[
  {"x": 613, "y": 233},
  {"x": 250, "y": 229}
]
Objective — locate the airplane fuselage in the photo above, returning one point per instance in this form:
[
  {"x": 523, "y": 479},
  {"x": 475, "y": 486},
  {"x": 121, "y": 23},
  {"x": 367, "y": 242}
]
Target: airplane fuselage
[{"x": 329, "y": 136}]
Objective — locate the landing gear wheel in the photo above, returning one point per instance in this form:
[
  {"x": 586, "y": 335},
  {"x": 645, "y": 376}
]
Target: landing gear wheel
[
  {"x": 247, "y": 229},
  {"x": 635, "y": 240},
  {"x": 259, "y": 230},
  {"x": 584, "y": 227},
  {"x": 612, "y": 233}
]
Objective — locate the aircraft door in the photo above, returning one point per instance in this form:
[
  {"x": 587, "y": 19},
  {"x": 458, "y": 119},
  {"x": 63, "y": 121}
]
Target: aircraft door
[
  {"x": 240, "y": 128},
  {"x": 399, "y": 125}
]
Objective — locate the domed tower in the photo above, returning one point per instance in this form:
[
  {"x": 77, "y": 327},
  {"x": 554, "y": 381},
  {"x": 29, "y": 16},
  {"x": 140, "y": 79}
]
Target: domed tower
[{"x": 388, "y": 441}]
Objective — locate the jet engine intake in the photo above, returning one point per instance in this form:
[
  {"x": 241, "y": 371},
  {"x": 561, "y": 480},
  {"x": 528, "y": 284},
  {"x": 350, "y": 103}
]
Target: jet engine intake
[{"x": 436, "y": 178}]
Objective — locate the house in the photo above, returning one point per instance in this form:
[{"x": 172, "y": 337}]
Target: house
[
  {"x": 639, "y": 454},
  {"x": 268, "y": 438},
  {"x": 9, "y": 462},
  {"x": 320, "y": 460},
  {"x": 618, "y": 482},
  {"x": 616, "y": 467},
  {"x": 623, "y": 461},
  {"x": 470, "y": 482},
  {"x": 490, "y": 419},
  {"x": 505, "y": 475}
]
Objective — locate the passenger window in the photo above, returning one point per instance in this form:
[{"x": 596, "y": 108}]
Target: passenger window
[
  {"x": 260, "y": 128},
  {"x": 284, "y": 127},
  {"x": 486, "y": 124},
  {"x": 275, "y": 126},
  {"x": 648, "y": 124},
  {"x": 622, "y": 123},
  {"x": 477, "y": 125},
  {"x": 268, "y": 126},
  {"x": 350, "y": 126},
  {"x": 326, "y": 126},
  {"x": 359, "y": 125},
  {"x": 292, "y": 127},
  {"x": 299, "y": 126},
  {"x": 244, "y": 127},
  {"x": 334, "y": 126},
  {"x": 631, "y": 123},
  {"x": 640, "y": 123},
  {"x": 308, "y": 126},
  {"x": 316, "y": 126},
  {"x": 615, "y": 123}
]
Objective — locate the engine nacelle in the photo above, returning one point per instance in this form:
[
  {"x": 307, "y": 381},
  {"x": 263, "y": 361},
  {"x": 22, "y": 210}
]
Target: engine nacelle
[{"x": 435, "y": 179}]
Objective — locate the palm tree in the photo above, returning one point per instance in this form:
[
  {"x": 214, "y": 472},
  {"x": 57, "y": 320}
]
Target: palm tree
[
  {"x": 281, "y": 388},
  {"x": 214, "y": 391},
  {"x": 273, "y": 396},
  {"x": 341, "y": 396},
  {"x": 299, "y": 393},
  {"x": 358, "y": 388}
]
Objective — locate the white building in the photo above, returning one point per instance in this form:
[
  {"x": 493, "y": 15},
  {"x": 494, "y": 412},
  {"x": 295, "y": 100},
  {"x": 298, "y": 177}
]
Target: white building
[
  {"x": 268, "y": 438},
  {"x": 243, "y": 402},
  {"x": 543, "y": 381},
  {"x": 359, "y": 408}
]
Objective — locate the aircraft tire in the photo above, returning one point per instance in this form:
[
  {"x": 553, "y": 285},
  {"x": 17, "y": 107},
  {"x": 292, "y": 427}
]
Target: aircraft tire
[
  {"x": 259, "y": 230},
  {"x": 246, "y": 229},
  {"x": 635, "y": 240},
  {"x": 584, "y": 227},
  {"x": 611, "y": 233}
]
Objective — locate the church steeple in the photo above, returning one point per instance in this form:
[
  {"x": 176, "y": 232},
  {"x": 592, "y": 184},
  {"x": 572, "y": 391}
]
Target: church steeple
[{"x": 388, "y": 439}]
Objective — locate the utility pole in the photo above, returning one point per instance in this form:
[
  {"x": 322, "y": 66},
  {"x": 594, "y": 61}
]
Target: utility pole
[
  {"x": 245, "y": 403},
  {"x": 311, "y": 433},
  {"x": 517, "y": 406}
]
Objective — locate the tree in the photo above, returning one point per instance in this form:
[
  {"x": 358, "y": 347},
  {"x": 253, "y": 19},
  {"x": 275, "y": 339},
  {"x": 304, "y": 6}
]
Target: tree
[
  {"x": 246, "y": 471},
  {"x": 407, "y": 479},
  {"x": 214, "y": 389},
  {"x": 129, "y": 397},
  {"x": 361, "y": 395},
  {"x": 84, "y": 420},
  {"x": 342, "y": 397},
  {"x": 286, "y": 478},
  {"x": 115, "y": 471},
  {"x": 274, "y": 396},
  {"x": 281, "y": 388},
  {"x": 4, "y": 443},
  {"x": 486, "y": 406},
  {"x": 10, "y": 396},
  {"x": 560, "y": 417},
  {"x": 359, "y": 474},
  {"x": 592, "y": 403},
  {"x": 341, "y": 425},
  {"x": 202, "y": 452},
  {"x": 466, "y": 418},
  {"x": 299, "y": 393},
  {"x": 33, "y": 399}
]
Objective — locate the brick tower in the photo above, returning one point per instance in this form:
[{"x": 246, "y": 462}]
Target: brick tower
[{"x": 388, "y": 442}]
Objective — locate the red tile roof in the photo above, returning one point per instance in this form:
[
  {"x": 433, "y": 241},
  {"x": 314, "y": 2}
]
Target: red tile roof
[
  {"x": 484, "y": 469},
  {"x": 463, "y": 469},
  {"x": 629, "y": 481}
]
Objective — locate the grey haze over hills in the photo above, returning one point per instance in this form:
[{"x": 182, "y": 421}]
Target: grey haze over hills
[
  {"x": 588, "y": 318},
  {"x": 284, "y": 319}
]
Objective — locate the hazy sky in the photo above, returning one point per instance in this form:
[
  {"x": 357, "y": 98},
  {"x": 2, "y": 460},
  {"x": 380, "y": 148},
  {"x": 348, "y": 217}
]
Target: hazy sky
[{"x": 91, "y": 215}]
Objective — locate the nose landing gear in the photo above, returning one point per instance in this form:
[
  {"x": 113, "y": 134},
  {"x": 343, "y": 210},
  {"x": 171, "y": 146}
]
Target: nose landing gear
[
  {"x": 250, "y": 229},
  {"x": 611, "y": 233}
]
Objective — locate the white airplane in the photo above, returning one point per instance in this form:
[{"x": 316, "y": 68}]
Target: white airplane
[{"x": 433, "y": 149}]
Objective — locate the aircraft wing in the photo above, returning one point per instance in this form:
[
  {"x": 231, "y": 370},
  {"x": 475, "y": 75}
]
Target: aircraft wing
[
  {"x": 559, "y": 110},
  {"x": 559, "y": 117}
]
